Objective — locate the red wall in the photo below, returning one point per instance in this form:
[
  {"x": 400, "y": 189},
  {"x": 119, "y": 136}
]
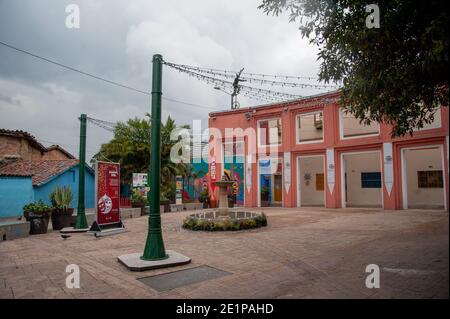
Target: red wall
[{"x": 329, "y": 105}]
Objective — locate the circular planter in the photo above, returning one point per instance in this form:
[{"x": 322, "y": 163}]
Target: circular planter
[
  {"x": 61, "y": 218},
  {"x": 224, "y": 221},
  {"x": 38, "y": 221}
]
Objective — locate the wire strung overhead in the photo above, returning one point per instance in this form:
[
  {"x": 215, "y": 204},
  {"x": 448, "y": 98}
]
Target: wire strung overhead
[
  {"x": 224, "y": 84},
  {"x": 221, "y": 80},
  {"x": 109, "y": 126},
  {"x": 253, "y": 77},
  {"x": 99, "y": 77}
]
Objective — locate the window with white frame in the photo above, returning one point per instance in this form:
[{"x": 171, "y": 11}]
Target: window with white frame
[
  {"x": 269, "y": 132},
  {"x": 310, "y": 127},
  {"x": 351, "y": 127}
]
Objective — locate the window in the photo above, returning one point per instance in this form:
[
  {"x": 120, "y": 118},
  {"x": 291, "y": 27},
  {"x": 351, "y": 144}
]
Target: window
[
  {"x": 320, "y": 182},
  {"x": 430, "y": 179},
  {"x": 436, "y": 123},
  {"x": 235, "y": 148},
  {"x": 310, "y": 127},
  {"x": 269, "y": 132},
  {"x": 370, "y": 180},
  {"x": 351, "y": 127}
]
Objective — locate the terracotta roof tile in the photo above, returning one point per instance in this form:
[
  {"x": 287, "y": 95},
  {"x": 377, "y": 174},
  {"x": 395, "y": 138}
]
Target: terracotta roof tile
[
  {"x": 25, "y": 135},
  {"x": 40, "y": 171}
]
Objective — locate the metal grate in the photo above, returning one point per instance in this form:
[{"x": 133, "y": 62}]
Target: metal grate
[{"x": 180, "y": 278}]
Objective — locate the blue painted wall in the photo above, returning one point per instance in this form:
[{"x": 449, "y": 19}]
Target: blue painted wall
[
  {"x": 15, "y": 192},
  {"x": 68, "y": 178}
]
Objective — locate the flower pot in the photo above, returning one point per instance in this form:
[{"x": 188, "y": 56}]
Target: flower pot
[
  {"x": 38, "y": 221},
  {"x": 62, "y": 218}
]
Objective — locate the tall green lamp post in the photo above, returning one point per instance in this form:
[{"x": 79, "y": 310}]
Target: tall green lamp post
[
  {"x": 154, "y": 256},
  {"x": 154, "y": 246},
  {"x": 81, "y": 222}
]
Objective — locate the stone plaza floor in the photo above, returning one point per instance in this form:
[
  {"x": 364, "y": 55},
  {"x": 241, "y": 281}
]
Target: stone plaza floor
[{"x": 303, "y": 253}]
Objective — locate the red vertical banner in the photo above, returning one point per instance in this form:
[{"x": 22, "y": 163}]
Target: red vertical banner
[{"x": 107, "y": 192}]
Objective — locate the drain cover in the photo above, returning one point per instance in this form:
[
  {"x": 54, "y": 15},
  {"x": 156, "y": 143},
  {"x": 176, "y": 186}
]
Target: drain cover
[{"x": 180, "y": 278}]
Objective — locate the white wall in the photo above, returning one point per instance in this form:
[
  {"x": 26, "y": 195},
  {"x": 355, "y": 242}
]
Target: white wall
[
  {"x": 354, "y": 164},
  {"x": 423, "y": 160},
  {"x": 309, "y": 196}
]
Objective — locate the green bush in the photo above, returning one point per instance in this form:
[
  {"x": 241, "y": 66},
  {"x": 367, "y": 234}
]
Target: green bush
[
  {"x": 37, "y": 207},
  {"x": 248, "y": 223},
  {"x": 61, "y": 198},
  {"x": 225, "y": 224}
]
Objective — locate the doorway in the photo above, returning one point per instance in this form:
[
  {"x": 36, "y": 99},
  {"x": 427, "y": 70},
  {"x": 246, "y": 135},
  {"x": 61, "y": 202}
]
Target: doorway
[
  {"x": 361, "y": 179},
  {"x": 423, "y": 182},
  {"x": 310, "y": 180}
]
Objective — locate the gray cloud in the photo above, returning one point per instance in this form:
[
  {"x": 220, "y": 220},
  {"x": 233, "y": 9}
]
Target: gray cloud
[{"x": 117, "y": 40}]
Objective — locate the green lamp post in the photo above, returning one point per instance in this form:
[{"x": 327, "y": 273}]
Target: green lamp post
[
  {"x": 81, "y": 222},
  {"x": 154, "y": 246}
]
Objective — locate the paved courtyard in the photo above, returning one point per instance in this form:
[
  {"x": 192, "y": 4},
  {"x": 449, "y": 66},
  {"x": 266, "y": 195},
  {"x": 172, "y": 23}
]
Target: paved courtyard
[{"x": 303, "y": 253}]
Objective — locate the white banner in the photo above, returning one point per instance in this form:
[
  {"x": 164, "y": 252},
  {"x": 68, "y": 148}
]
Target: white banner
[
  {"x": 388, "y": 167},
  {"x": 248, "y": 173},
  {"x": 287, "y": 171},
  {"x": 330, "y": 169}
]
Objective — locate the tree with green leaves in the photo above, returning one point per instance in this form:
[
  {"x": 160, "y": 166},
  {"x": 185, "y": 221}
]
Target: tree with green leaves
[
  {"x": 397, "y": 73},
  {"x": 130, "y": 147}
]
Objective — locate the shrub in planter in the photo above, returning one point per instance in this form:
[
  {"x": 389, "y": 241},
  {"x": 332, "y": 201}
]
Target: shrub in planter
[
  {"x": 194, "y": 223},
  {"x": 61, "y": 198},
  {"x": 38, "y": 214}
]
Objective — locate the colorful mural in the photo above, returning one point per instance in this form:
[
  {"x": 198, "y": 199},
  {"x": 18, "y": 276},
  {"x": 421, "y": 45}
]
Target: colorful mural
[
  {"x": 234, "y": 171},
  {"x": 198, "y": 181}
]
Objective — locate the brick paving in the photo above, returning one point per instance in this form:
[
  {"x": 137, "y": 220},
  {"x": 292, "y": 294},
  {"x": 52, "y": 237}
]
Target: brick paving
[{"x": 303, "y": 253}]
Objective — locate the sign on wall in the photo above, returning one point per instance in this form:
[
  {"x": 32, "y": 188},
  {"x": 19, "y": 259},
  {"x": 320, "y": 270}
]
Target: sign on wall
[
  {"x": 388, "y": 167},
  {"x": 330, "y": 169},
  {"x": 107, "y": 192},
  {"x": 248, "y": 175},
  {"x": 212, "y": 170},
  {"x": 178, "y": 190},
  {"x": 139, "y": 179},
  {"x": 287, "y": 171}
]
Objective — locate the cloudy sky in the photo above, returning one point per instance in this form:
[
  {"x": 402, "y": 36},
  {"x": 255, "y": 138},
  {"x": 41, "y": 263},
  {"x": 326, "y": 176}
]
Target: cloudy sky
[{"x": 116, "y": 40}]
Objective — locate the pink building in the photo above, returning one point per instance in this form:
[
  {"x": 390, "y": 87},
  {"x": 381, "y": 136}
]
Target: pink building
[{"x": 309, "y": 152}]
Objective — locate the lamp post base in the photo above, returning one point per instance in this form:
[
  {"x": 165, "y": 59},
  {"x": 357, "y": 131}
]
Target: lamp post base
[
  {"x": 69, "y": 230},
  {"x": 134, "y": 262}
]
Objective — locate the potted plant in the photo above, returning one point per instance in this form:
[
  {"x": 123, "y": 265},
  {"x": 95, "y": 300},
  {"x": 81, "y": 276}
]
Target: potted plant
[
  {"x": 265, "y": 196},
  {"x": 204, "y": 198},
  {"x": 38, "y": 214},
  {"x": 138, "y": 200},
  {"x": 61, "y": 198}
]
